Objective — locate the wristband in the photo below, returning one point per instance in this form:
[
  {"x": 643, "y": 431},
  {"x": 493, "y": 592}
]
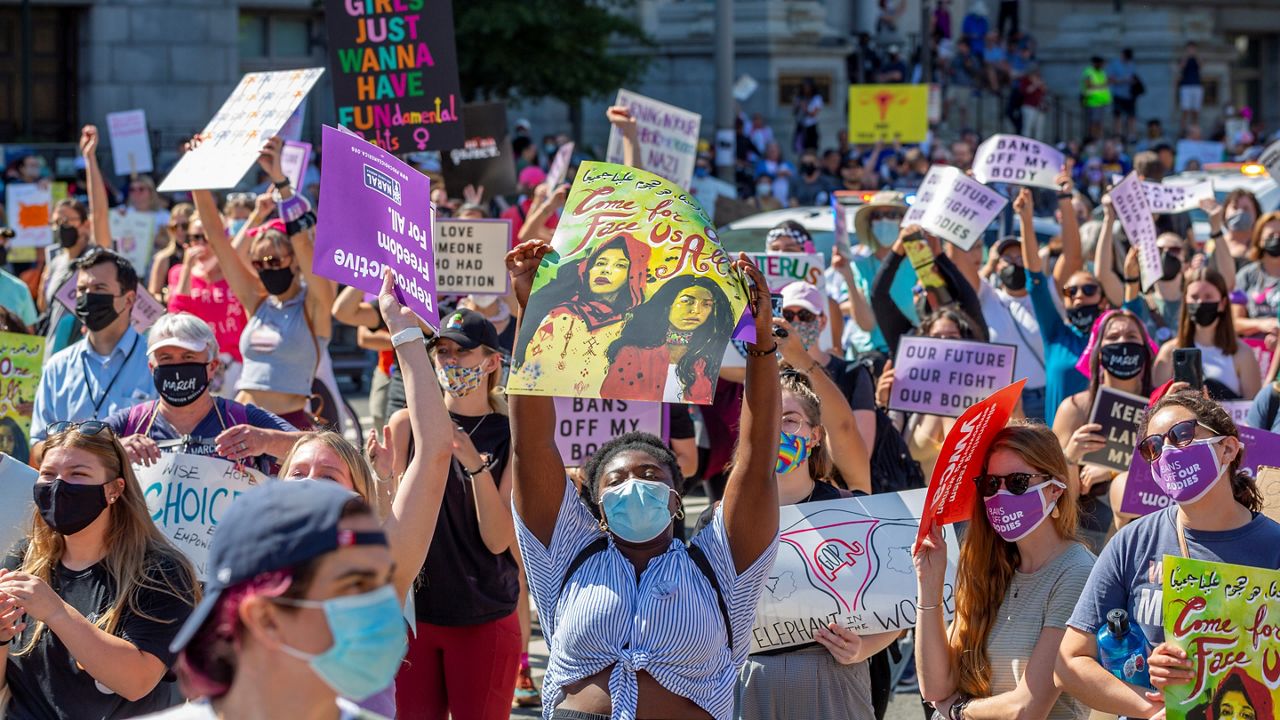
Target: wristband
[
  {"x": 1133, "y": 279},
  {"x": 763, "y": 353},
  {"x": 1215, "y": 235},
  {"x": 1065, "y": 196},
  {"x": 282, "y": 184},
  {"x": 407, "y": 335}
]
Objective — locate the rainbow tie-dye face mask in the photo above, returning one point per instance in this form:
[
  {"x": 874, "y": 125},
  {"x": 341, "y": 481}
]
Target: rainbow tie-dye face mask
[{"x": 793, "y": 451}]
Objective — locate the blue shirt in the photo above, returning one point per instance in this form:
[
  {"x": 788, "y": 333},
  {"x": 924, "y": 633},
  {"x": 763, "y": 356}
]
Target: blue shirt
[
  {"x": 79, "y": 384},
  {"x": 16, "y": 296},
  {"x": 667, "y": 623},
  {"x": 902, "y": 291},
  {"x": 225, "y": 414}
]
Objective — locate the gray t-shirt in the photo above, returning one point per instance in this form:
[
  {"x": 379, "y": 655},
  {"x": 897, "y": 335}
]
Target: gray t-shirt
[
  {"x": 1033, "y": 602},
  {"x": 1129, "y": 572},
  {"x": 1260, "y": 289}
]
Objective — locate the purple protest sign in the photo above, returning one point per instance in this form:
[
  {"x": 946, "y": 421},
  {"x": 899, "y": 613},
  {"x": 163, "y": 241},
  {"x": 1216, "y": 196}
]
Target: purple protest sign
[
  {"x": 295, "y": 156},
  {"x": 944, "y": 377},
  {"x": 1142, "y": 495},
  {"x": 559, "y": 167},
  {"x": 584, "y": 424},
  {"x": 375, "y": 214}
]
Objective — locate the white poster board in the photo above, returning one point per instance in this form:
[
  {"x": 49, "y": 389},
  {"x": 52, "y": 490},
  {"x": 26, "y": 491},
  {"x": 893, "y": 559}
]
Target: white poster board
[
  {"x": 1017, "y": 160},
  {"x": 471, "y": 256},
  {"x": 133, "y": 233},
  {"x": 130, "y": 144},
  {"x": 954, "y": 206},
  {"x": 1133, "y": 209},
  {"x": 28, "y": 208},
  {"x": 668, "y": 137},
  {"x": 16, "y": 481},
  {"x": 559, "y": 167},
  {"x": 744, "y": 87},
  {"x": 1169, "y": 199}
]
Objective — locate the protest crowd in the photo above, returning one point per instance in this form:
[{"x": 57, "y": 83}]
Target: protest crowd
[{"x": 1019, "y": 412}]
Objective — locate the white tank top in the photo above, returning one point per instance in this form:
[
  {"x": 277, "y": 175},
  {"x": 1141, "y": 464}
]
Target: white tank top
[{"x": 1219, "y": 367}]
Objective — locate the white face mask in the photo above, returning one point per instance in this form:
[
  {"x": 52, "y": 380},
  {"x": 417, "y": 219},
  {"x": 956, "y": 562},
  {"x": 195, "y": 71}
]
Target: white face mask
[{"x": 482, "y": 301}]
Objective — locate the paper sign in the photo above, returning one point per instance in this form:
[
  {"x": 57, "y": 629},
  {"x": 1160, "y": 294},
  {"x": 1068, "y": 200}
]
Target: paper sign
[
  {"x": 1119, "y": 414},
  {"x": 295, "y": 157},
  {"x": 1142, "y": 495},
  {"x": 944, "y": 377},
  {"x": 1270, "y": 159},
  {"x": 954, "y": 206},
  {"x": 583, "y": 425},
  {"x": 187, "y": 495},
  {"x": 133, "y": 232},
  {"x": 1263, "y": 353},
  {"x": 471, "y": 256},
  {"x": 846, "y": 561},
  {"x": 1202, "y": 151},
  {"x": 1133, "y": 209},
  {"x": 637, "y": 299},
  {"x": 782, "y": 269},
  {"x": 28, "y": 207},
  {"x": 888, "y": 113},
  {"x": 375, "y": 214},
  {"x": 1167, "y": 199},
  {"x": 485, "y": 157},
  {"x": 1017, "y": 160},
  {"x": 744, "y": 87},
  {"x": 1224, "y": 617},
  {"x": 146, "y": 310},
  {"x": 559, "y": 166},
  {"x": 668, "y": 137},
  {"x": 16, "y": 481},
  {"x": 130, "y": 144},
  {"x": 964, "y": 450},
  {"x": 1238, "y": 410},
  {"x": 21, "y": 363},
  {"x": 1268, "y": 479},
  {"x": 256, "y": 110}
]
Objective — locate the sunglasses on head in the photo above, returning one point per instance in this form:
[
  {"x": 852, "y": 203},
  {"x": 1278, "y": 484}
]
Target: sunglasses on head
[
  {"x": 88, "y": 428},
  {"x": 1083, "y": 290},
  {"x": 801, "y": 315},
  {"x": 1016, "y": 483},
  {"x": 271, "y": 262},
  {"x": 1179, "y": 435}
]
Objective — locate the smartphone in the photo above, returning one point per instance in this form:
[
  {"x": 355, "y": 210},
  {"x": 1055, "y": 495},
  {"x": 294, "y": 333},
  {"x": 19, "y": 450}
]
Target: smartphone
[{"x": 1188, "y": 368}]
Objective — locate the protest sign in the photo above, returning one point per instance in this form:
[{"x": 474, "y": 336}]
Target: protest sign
[
  {"x": 1017, "y": 160},
  {"x": 944, "y": 377},
  {"x": 1203, "y": 152},
  {"x": 1224, "y": 617},
  {"x": 1119, "y": 414},
  {"x": 187, "y": 495},
  {"x": 1263, "y": 353},
  {"x": 559, "y": 166},
  {"x": 292, "y": 129},
  {"x": 484, "y": 157},
  {"x": 471, "y": 256},
  {"x": 16, "y": 481},
  {"x": 846, "y": 561},
  {"x": 782, "y": 269},
  {"x": 146, "y": 309},
  {"x": 130, "y": 144},
  {"x": 1142, "y": 495},
  {"x": 295, "y": 157},
  {"x": 584, "y": 424},
  {"x": 637, "y": 299},
  {"x": 1133, "y": 209},
  {"x": 954, "y": 206},
  {"x": 28, "y": 207},
  {"x": 744, "y": 87},
  {"x": 375, "y": 215},
  {"x": 395, "y": 72},
  {"x": 1238, "y": 410},
  {"x": 256, "y": 110},
  {"x": 668, "y": 137},
  {"x": 885, "y": 113},
  {"x": 1166, "y": 199},
  {"x": 1270, "y": 159},
  {"x": 1268, "y": 480},
  {"x": 21, "y": 363},
  {"x": 964, "y": 450},
  {"x": 133, "y": 232}
]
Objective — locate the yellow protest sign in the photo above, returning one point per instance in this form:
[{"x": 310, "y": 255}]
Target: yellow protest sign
[
  {"x": 888, "y": 113},
  {"x": 20, "y": 368}
]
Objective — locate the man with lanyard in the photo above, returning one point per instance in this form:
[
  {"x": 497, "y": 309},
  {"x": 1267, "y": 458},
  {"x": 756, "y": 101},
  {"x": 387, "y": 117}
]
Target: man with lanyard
[
  {"x": 183, "y": 355},
  {"x": 107, "y": 370}
]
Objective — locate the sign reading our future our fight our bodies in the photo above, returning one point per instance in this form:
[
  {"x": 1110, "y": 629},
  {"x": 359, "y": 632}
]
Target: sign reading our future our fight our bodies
[
  {"x": 471, "y": 256},
  {"x": 1119, "y": 414},
  {"x": 395, "y": 72},
  {"x": 1142, "y": 495},
  {"x": 954, "y": 206},
  {"x": 1133, "y": 209},
  {"x": 584, "y": 424},
  {"x": 375, "y": 214},
  {"x": 944, "y": 377},
  {"x": 1017, "y": 160},
  {"x": 668, "y": 137}
]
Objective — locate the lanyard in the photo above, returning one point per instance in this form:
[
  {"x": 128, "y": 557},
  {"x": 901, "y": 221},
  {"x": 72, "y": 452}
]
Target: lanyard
[
  {"x": 84, "y": 361},
  {"x": 1182, "y": 536}
]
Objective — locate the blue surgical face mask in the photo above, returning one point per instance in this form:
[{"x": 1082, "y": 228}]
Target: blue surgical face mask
[
  {"x": 637, "y": 510},
  {"x": 885, "y": 231},
  {"x": 369, "y": 641},
  {"x": 236, "y": 226}
]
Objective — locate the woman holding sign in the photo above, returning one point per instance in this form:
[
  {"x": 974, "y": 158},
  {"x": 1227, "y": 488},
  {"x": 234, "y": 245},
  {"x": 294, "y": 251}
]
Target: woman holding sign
[{"x": 1230, "y": 368}]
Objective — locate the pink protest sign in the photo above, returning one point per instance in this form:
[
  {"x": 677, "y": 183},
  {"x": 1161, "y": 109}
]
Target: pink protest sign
[
  {"x": 375, "y": 214},
  {"x": 584, "y": 424},
  {"x": 944, "y": 377}
]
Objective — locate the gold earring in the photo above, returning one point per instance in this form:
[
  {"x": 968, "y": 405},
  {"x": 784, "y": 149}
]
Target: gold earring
[
  {"x": 1055, "y": 512},
  {"x": 680, "y": 513},
  {"x": 604, "y": 525}
]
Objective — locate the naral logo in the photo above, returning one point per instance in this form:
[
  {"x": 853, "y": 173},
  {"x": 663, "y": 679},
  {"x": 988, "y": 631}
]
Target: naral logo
[{"x": 383, "y": 183}]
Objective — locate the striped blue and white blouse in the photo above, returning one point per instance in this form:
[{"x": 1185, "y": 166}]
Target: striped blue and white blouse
[{"x": 667, "y": 624}]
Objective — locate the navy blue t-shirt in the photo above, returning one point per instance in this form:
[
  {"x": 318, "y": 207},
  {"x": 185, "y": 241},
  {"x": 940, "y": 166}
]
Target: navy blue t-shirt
[{"x": 221, "y": 417}]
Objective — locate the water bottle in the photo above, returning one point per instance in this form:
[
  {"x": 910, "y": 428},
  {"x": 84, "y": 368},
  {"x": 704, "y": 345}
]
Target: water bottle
[{"x": 1122, "y": 649}]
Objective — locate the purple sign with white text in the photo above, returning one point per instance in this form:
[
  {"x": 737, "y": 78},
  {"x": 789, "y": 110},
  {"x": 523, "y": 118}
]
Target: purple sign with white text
[
  {"x": 1142, "y": 495},
  {"x": 944, "y": 377}
]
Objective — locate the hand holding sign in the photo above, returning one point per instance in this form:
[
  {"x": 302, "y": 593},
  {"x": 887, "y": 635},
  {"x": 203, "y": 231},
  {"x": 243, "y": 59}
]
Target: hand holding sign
[
  {"x": 396, "y": 316},
  {"x": 522, "y": 265},
  {"x": 1084, "y": 440},
  {"x": 930, "y": 559}
]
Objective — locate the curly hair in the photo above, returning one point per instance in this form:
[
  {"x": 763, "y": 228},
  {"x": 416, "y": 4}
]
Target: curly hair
[{"x": 647, "y": 443}]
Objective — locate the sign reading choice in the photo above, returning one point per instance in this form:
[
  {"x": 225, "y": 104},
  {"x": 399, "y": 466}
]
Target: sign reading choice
[
  {"x": 584, "y": 424},
  {"x": 471, "y": 256},
  {"x": 954, "y": 206},
  {"x": 668, "y": 137},
  {"x": 375, "y": 215},
  {"x": 945, "y": 377},
  {"x": 1018, "y": 161}
]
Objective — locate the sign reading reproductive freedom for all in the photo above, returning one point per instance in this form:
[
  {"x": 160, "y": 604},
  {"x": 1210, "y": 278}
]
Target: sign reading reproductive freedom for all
[
  {"x": 1133, "y": 209},
  {"x": 782, "y": 269},
  {"x": 187, "y": 495},
  {"x": 944, "y": 377},
  {"x": 471, "y": 256},
  {"x": 954, "y": 206},
  {"x": 375, "y": 214},
  {"x": 668, "y": 137},
  {"x": 847, "y": 562},
  {"x": 1168, "y": 199},
  {"x": 884, "y": 113},
  {"x": 395, "y": 72},
  {"x": 1017, "y": 160},
  {"x": 584, "y": 424}
]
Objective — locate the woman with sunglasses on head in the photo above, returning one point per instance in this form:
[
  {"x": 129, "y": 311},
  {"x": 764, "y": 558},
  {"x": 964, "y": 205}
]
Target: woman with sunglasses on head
[
  {"x": 1230, "y": 368},
  {"x": 91, "y": 598},
  {"x": 197, "y": 286},
  {"x": 170, "y": 255},
  {"x": 1019, "y": 574},
  {"x": 1195, "y": 454}
]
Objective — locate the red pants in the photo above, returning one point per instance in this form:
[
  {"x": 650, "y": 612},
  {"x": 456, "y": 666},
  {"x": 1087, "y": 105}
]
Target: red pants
[{"x": 467, "y": 673}]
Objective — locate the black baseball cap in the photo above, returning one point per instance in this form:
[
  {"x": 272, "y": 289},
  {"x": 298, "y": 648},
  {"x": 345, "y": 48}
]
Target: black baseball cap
[
  {"x": 1005, "y": 243},
  {"x": 469, "y": 329},
  {"x": 278, "y": 525}
]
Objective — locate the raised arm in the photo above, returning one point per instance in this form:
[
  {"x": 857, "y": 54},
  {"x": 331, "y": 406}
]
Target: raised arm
[
  {"x": 1030, "y": 243},
  {"x": 965, "y": 295},
  {"x": 1072, "y": 259},
  {"x": 1104, "y": 257},
  {"x": 1221, "y": 255},
  {"x": 350, "y": 309},
  {"x": 240, "y": 276},
  {"x": 856, "y": 306},
  {"x": 621, "y": 118},
  {"x": 99, "y": 213},
  {"x": 262, "y": 208},
  {"x": 543, "y": 207}
]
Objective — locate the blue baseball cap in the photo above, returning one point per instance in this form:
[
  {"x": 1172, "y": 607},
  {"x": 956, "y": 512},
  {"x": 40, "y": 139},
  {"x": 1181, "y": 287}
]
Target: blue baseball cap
[{"x": 277, "y": 525}]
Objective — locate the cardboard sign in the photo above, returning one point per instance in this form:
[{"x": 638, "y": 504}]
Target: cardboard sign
[
  {"x": 1239, "y": 410},
  {"x": 375, "y": 214},
  {"x": 782, "y": 269},
  {"x": 471, "y": 256},
  {"x": 146, "y": 310},
  {"x": 1143, "y": 495},
  {"x": 130, "y": 144},
  {"x": 744, "y": 87},
  {"x": 1170, "y": 199},
  {"x": 1224, "y": 616},
  {"x": 21, "y": 364},
  {"x": 846, "y": 561},
  {"x": 1017, "y": 160},
  {"x": 559, "y": 166},
  {"x": 583, "y": 425},
  {"x": 256, "y": 110},
  {"x": 485, "y": 157},
  {"x": 1119, "y": 414},
  {"x": 1268, "y": 479},
  {"x": 395, "y": 72},
  {"x": 16, "y": 481},
  {"x": 887, "y": 113},
  {"x": 954, "y": 206},
  {"x": 668, "y": 137},
  {"x": 187, "y": 494},
  {"x": 134, "y": 232},
  {"x": 295, "y": 158},
  {"x": 1133, "y": 209},
  {"x": 1260, "y": 350},
  {"x": 944, "y": 377},
  {"x": 951, "y": 489},
  {"x": 1202, "y": 151},
  {"x": 29, "y": 207}
]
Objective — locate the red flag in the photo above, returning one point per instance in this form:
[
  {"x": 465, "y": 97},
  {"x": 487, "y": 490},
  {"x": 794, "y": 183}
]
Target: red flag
[{"x": 951, "y": 488}]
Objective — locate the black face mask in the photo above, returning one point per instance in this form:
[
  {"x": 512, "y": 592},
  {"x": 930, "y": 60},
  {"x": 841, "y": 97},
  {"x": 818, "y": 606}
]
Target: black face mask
[
  {"x": 276, "y": 280},
  {"x": 1013, "y": 277},
  {"x": 1203, "y": 314},
  {"x": 1082, "y": 316},
  {"x": 1271, "y": 246},
  {"x": 1170, "y": 266},
  {"x": 1123, "y": 360},
  {"x": 181, "y": 384},
  {"x": 67, "y": 235},
  {"x": 808, "y": 168},
  {"x": 96, "y": 310},
  {"x": 67, "y": 507}
]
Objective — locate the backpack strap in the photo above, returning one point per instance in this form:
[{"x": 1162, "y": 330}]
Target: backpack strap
[
  {"x": 137, "y": 415},
  {"x": 237, "y": 414},
  {"x": 1273, "y": 406},
  {"x": 699, "y": 558},
  {"x": 596, "y": 547}
]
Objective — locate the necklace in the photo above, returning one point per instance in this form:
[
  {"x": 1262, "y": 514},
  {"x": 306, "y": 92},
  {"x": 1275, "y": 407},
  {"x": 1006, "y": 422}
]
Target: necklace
[
  {"x": 679, "y": 337},
  {"x": 479, "y": 422}
]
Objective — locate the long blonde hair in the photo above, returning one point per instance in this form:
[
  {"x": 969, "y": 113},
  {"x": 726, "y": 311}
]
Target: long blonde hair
[
  {"x": 139, "y": 559},
  {"x": 361, "y": 474},
  {"x": 987, "y": 561}
]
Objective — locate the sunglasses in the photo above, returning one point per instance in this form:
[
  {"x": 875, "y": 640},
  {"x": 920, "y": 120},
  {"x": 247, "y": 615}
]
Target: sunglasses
[
  {"x": 88, "y": 428},
  {"x": 1084, "y": 290},
  {"x": 271, "y": 262},
  {"x": 197, "y": 238},
  {"x": 1179, "y": 435},
  {"x": 1016, "y": 483},
  {"x": 178, "y": 226},
  {"x": 801, "y": 315}
]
